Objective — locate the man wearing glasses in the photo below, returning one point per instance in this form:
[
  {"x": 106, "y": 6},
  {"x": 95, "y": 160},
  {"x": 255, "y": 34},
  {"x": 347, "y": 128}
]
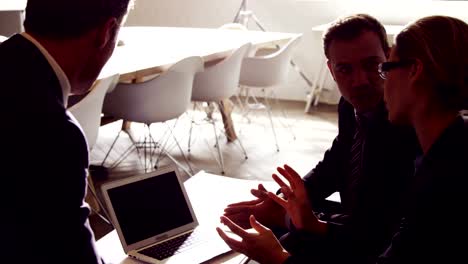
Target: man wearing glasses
[{"x": 368, "y": 164}]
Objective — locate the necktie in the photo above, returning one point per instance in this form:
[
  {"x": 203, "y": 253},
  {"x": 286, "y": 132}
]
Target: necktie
[{"x": 355, "y": 163}]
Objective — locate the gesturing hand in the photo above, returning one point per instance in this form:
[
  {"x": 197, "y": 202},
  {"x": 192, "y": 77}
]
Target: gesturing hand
[
  {"x": 261, "y": 246},
  {"x": 263, "y": 208},
  {"x": 296, "y": 201}
]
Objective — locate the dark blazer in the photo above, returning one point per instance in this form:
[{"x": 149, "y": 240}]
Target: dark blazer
[
  {"x": 370, "y": 209},
  {"x": 47, "y": 159},
  {"x": 435, "y": 229}
]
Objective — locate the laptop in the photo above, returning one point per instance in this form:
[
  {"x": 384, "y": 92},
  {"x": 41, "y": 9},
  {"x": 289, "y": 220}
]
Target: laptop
[{"x": 155, "y": 220}]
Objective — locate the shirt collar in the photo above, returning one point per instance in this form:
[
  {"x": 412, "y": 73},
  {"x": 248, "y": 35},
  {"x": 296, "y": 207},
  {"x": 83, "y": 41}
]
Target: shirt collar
[
  {"x": 373, "y": 115},
  {"x": 61, "y": 76}
]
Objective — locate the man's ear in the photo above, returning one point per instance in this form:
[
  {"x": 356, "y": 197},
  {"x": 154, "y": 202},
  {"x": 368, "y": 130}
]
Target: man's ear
[
  {"x": 330, "y": 68},
  {"x": 107, "y": 33}
]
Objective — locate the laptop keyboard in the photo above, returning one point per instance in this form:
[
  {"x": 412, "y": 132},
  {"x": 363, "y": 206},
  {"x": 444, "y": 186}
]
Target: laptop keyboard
[{"x": 171, "y": 247}]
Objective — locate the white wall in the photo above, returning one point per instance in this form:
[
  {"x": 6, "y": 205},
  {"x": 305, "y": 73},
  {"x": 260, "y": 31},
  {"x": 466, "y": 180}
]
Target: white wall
[
  {"x": 11, "y": 16},
  {"x": 8, "y": 5},
  {"x": 11, "y": 22},
  {"x": 297, "y": 16}
]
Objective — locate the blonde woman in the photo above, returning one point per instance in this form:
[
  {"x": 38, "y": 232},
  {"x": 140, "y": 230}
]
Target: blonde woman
[{"x": 427, "y": 86}]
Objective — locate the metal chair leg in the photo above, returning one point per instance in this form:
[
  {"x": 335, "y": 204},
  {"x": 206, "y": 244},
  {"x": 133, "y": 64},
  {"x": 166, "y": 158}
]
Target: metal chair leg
[
  {"x": 104, "y": 218},
  {"x": 283, "y": 112},
  {"x": 191, "y": 127},
  {"x": 110, "y": 149},
  {"x": 220, "y": 155},
  {"x": 180, "y": 149},
  {"x": 268, "y": 108}
]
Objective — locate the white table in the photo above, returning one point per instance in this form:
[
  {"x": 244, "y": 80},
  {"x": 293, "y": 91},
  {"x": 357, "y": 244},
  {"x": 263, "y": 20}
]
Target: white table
[
  {"x": 152, "y": 50},
  {"x": 12, "y": 5},
  {"x": 323, "y": 73},
  {"x": 209, "y": 195}
]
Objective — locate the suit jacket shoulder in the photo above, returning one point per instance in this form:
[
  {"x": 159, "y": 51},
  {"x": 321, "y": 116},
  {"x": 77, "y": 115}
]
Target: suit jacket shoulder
[
  {"x": 434, "y": 226},
  {"x": 48, "y": 156}
]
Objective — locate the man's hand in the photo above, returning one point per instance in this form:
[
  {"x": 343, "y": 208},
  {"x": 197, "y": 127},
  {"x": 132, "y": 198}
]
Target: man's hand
[
  {"x": 261, "y": 246},
  {"x": 296, "y": 202},
  {"x": 263, "y": 208}
]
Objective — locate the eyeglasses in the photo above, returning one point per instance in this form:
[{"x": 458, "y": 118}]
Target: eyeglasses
[{"x": 385, "y": 67}]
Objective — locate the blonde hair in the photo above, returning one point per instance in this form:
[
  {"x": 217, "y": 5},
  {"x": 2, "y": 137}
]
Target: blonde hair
[{"x": 441, "y": 43}]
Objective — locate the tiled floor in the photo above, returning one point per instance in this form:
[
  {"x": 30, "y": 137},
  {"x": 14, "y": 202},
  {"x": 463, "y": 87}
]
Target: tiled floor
[{"x": 302, "y": 148}]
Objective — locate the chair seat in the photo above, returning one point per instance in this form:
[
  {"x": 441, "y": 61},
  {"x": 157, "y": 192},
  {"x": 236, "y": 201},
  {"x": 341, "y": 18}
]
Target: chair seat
[{"x": 165, "y": 97}]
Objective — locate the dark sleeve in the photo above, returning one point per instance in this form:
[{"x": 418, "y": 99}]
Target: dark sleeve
[
  {"x": 47, "y": 219},
  {"x": 52, "y": 208},
  {"x": 73, "y": 217},
  {"x": 326, "y": 177},
  {"x": 335, "y": 247}
]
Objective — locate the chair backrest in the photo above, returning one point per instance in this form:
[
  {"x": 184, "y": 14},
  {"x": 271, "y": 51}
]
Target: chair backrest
[
  {"x": 162, "y": 98},
  {"x": 236, "y": 26},
  {"x": 220, "y": 81},
  {"x": 264, "y": 71},
  {"x": 2, "y": 38},
  {"x": 88, "y": 110}
]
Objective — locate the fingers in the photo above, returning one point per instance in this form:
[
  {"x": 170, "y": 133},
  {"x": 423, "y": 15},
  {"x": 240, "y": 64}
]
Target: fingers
[
  {"x": 237, "y": 209},
  {"x": 257, "y": 226},
  {"x": 251, "y": 202},
  {"x": 282, "y": 202},
  {"x": 278, "y": 180},
  {"x": 262, "y": 188},
  {"x": 241, "y": 219},
  {"x": 294, "y": 175},
  {"x": 231, "y": 242},
  {"x": 287, "y": 192},
  {"x": 291, "y": 175},
  {"x": 234, "y": 228},
  {"x": 286, "y": 175},
  {"x": 260, "y": 194},
  {"x": 285, "y": 189}
]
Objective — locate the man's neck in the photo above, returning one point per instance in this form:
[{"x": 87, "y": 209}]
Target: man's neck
[{"x": 66, "y": 53}]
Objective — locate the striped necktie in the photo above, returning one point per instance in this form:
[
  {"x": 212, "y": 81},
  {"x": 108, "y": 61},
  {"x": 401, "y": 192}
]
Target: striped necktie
[{"x": 355, "y": 163}]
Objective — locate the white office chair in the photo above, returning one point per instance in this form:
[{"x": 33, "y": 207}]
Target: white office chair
[
  {"x": 265, "y": 72},
  {"x": 160, "y": 99},
  {"x": 88, "y": 110},
  {"x": 216, "y": 83},
  {"x": 250, "y": 53}
]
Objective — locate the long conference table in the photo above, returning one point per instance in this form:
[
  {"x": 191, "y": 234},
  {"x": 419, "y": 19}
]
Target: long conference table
[{"x": 146, "y": 51}]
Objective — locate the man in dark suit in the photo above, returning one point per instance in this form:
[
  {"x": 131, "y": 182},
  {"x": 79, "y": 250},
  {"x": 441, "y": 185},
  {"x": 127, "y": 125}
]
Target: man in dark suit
[
  {"x": 368, "y": 164},
  {"x": 65, "y": 45}
]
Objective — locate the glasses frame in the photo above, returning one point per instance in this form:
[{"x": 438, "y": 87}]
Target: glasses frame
[{"x": 385, "y": 67}]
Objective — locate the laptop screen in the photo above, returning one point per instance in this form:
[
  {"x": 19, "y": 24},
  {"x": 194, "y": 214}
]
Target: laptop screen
[{"x": 150, "y": 207}]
